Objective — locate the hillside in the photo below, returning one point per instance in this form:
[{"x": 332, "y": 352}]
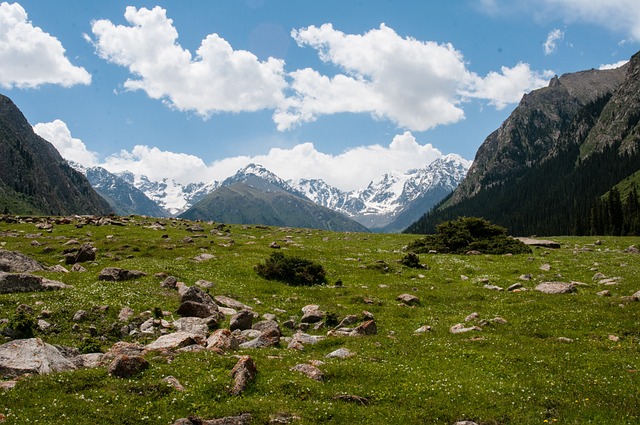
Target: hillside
[
  {"x": 256, "y": 196},
  {"x": 34, "y": 178},
  {"x": 380, "y": 343},
  {"x": 560, "y": 150}
]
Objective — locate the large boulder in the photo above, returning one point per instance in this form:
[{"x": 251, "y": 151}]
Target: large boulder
[
  {"x": 16, "y": 262},
  {"x": 124, "y": 366},
  {"x": 85, "y": 253},
  {"x": 555, "y": 288},
  {"x": 23, "y": 282},
  {"x": 31, "y": 356}
]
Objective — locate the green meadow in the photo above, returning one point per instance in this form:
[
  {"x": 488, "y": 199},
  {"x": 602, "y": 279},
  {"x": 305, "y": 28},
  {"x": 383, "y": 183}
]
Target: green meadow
[{"x": 555, "y": 358}]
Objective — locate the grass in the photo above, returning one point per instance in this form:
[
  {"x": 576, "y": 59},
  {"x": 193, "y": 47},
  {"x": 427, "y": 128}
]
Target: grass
[{"x": 513, "y": 373}]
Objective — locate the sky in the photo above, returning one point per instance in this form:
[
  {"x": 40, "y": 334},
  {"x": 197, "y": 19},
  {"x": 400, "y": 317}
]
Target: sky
[{"x": 343, "y": 90}]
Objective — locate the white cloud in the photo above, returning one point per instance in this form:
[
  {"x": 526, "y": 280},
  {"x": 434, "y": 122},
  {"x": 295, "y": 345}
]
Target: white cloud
[
  {"x": 410, "y": 82},
  {"x": 218, "y": 79},
  {"x": 613, "y": 65},
  {"x": 550, "y": 45},
  {"x": 352, "y": 169},
  {"x": 508, "y": 86},
  {"x": 58, "y": 134},
  {"x": 30, "y": 57},
  {"x": 157, "y": 164}
]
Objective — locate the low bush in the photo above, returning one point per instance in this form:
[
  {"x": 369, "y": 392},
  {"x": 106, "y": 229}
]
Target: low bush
[
  {"x": 291, "y": 270},
  {"x": 469, "y": 234}
]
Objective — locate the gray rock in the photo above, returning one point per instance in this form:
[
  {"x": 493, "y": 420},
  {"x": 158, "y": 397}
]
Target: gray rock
[
  {"x": 243, "y": 373},
  {"x": 555, "y": 288},
  {"x": 11, "y": 283},
  {"x": 88, "y": 361},
  {"x": 175, "y": 340},
  {"x": 194, "y": 325},
  {"x": 242, "y": 320},
  {"x": 408, "y": 299},
  {"x": 310, "y": 371},
  {"x": 340, "y": 353},
  {"x": 267, "y": 326},
  {"x": 312, "y": 314},
  {"x": 267, "y": 339},
  {"x": 605, "y": 293},
  {"x": 169, "y": 282},
  {"x": 173, "y": 382},
  {"x": 460, "y": 328},
  {"x": 472, "y": 316},
  {"x": 225, "y": 301},
  {"x": 125, "y": 314},
  {"x": 80, "y": 316},
  {"x": 514, "y": 287},
  {"x": 222, "y": 339},
  {"x": 16, "y": 262},
  {"x": 31, "y": 356},
  {"x": 85, "y": 253},
  {"x": 124, "y": 366}
]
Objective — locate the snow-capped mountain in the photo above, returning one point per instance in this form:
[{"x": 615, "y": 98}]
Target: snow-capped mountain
[
  {"x": 169, "y": 194},
  {"x": 383, "y": 202},
  {"x": 259, "y": 177}
]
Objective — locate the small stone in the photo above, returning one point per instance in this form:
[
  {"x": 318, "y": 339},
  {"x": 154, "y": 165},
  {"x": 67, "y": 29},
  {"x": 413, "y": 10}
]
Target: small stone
[
  {"x": 564, "y": 339},
  {"x": 605, "y": 293},
  {"x": 472, "y": 316},
  {"x": 173, "y": 382},
  {"x": 555, "y": 288},
  {"x": 125, "y": 314},
  {"x": 310, "y": 371},
  {"x": 460, "y": 328},
  {"x": 340, "y": 353},
  {"x": 614, "y": 338},
  {"x": 408, "y": 299},
  {"x": 80, "y": 315},
  {"x": 493, "y": 287},
  {"x": 422, "y": 329},
  {"x": 124, "y": 366},
  {"x": 514, "y": 287},
  {"x": 545, "y": 267}
]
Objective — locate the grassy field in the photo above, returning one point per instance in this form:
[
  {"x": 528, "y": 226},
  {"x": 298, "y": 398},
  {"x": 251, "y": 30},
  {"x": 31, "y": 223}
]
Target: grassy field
[{"x": 518, "y": 372}]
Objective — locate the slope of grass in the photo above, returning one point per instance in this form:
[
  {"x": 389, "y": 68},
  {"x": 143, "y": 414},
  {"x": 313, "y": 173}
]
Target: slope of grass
[{"x": 517, "y": 372}]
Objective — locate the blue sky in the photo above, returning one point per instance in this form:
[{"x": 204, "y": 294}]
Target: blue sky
[{"x": 341, "y": 90}]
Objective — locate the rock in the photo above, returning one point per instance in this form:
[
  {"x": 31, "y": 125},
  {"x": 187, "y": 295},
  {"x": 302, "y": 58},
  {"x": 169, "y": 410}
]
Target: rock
[
  {"x": 300, "y": 339},
  {"x": 539, "y": 242},
  {"x": 545, "y": 267},
  {"x": 124, "y": 366},
  {"x": 85, "y": 253},
  {"x": 242, "y": 320},
  {"x": 472, "y": 316},
  {"x": 347, "y": 321},
  {"x": 514, "y": 287},
  {"x": 80, "y": 316},
  {"x": 116, "y": 274},
  {"x": 632, "y": 250},
  {"x": 204, "y": 283},
  {"x": 175, "y": 340},
  {"x": 605, "y": 293},
  {"x": 460, "y": 328},
  {"x": 555, "y": 288},
  {"x": 58, "y": 269},
  {"x": 195, "y": 309},
  {"x": 493, "y": 287},
  {"x": 243, "y": 419},
  {"x": 465, "y": 423},
  {"x": 310, "y": 371},
  {"x": 203, "y": 257},
  {"x": 43, "y": 325},
  {"x": 222, "y": 339},
  {"x": 243, "y": 373},
  {"x": 194, "y": 325},
  {"x": 173, "y": 382},
  {"x": 88, "y": 361},
  {"x": 563, "y": 339},
  {"x": 170, "y": 282},
  {"x": 225, "y": 301},
  {"x": 23, "y": 282},
  {"x": 267, "y": 326},
  {"x": 340, "y": 353},
  {"x": 312, "y": 314},
  {"x": 31, "y": 356},
  {"x": 422, "y": 329},
  {"x": 267, "y": 339},
  {"x": 78, "y": 268},
  {"x": 367, "y": 328},
  {"x": 274, "y": 245},
  {"x": 408, "y": 299},
  {"x": 16, "y": 262},
  {"x": 598, "y": 276},
  {"x": 125, "y": 314},
  {"x": 194, "y": 293},
  {"x": 636, "y": 295},
  {"x": 123, "y": 348}
]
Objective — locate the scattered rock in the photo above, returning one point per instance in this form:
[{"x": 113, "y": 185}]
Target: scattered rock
[
  {"x": 58, "y": 269},
  {"x": 242, "y": 320},
  {"x": 170, "y": 282},
  {"x": 310, "y": 371},
  {"x": 605, "y": 293},
  {"x": 203, "y": 257},
  {"x": 124, "y": 366},
  {"x": 85, "y": 253},
  {"x": 80, "y": 316},
  {"x": 460, "y": 328},
  {"x": 222, "y": 339},
  {"x": 514, "y": 287},
  {"x": 225, "y": 301},
  {"x": 493, "y": 287},
  {"x": 267, "y": 339},
  {"x": 312, "y": 314},
  {"x": 204, "y": 283},
  {"x": 125, "y": 314},
  {"x": 175, "y": 340},
  {"x": 23, "y": 282},
  {"x": 243, "y": 373},
  {"x": 367, "y": 328},
  {"x": 16, "y": 262},
  {"x": 31, "y": 356},
  {"x": 243, "y": 419},
  {"x": 340, "y": 353},
  {"x": 408, "y": 299},
  {"x": 564, "y": 339},
  {"x": 465, "y": 423},
  {"x": 539, "y": 242},
  {"x": 632, "y": 250},
  {"x": 422, "y": 329},
  {"x": 194, "y": 325},
  {"x": 472, "y": 316},
  {"x": 555, "y": 288},
  {"x": 545, "y": 267},
  {"x": 116, "y": 274},
  {"x": 173, "y": 382}
]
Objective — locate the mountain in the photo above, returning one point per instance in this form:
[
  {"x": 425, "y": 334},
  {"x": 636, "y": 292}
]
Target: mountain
[
  {"x": 34, "y": 178},
  {"x": 123, "y": 197},
  {"x": 171, "y": 196},
  {"x": 549, "y": 165},
  {"x": 256, "y": 196},
  {"x": 397, "y": 199}
]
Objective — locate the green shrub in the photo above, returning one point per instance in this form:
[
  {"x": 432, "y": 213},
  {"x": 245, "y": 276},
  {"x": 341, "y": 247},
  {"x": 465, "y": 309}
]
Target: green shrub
[
  {"x": 469, "y": 234},
  {"x": 291, "y": 270},
  {"x": 21, "y": 325}
]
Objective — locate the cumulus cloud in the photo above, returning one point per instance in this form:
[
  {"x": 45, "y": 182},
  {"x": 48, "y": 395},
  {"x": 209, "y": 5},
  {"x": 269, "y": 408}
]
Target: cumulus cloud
[
  {"x": 58, "y": 134},
  {"x": 613, "y": 65},
  {"x": 509, "y": 85},
  {"x": 30, "y": 57},
  {"x": 217, "y": 79},
  {"x": 550, "y": 45},
  {"x": 352, "y": 169},
  {"x": 410, "y": 82}
]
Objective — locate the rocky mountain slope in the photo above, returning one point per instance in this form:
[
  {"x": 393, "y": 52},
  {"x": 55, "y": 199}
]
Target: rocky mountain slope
[
  {"x": 256, "y": 196},
  {"x": 34, "y": 178},
  {"x": 397, "y": 199},
  {"x": 562, "y": 148},
  {"x": 124, "y": 198}
]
